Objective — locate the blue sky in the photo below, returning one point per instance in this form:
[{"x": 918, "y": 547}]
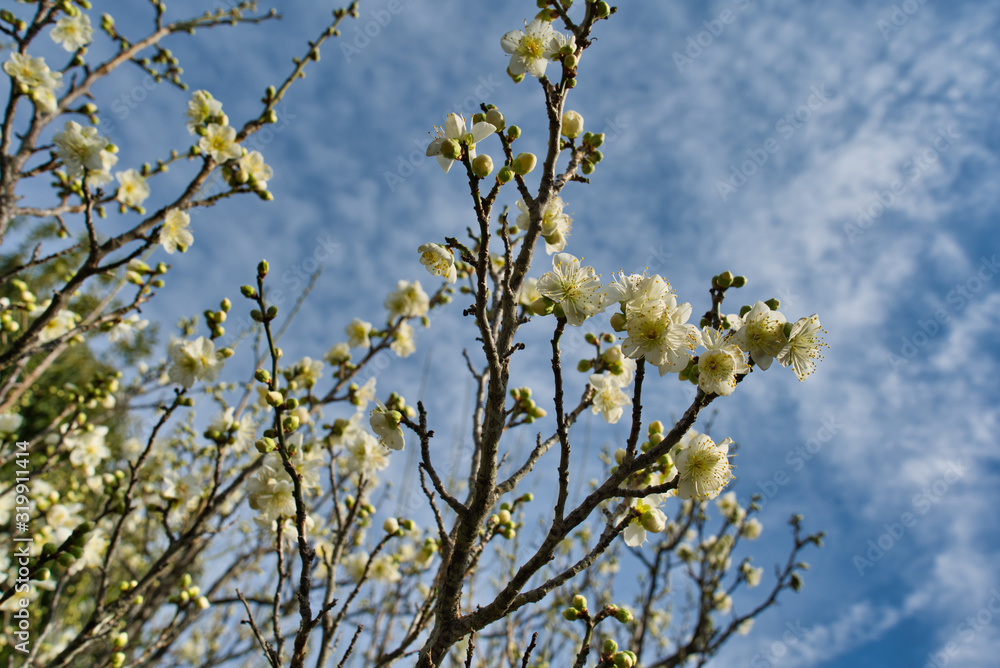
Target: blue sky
[{"x": 859, "y": 144}]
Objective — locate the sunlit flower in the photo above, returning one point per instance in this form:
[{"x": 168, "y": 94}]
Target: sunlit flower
[
  {"x": 720, "y": 364},
  {"x": 609, "y": 400},
  {"x": 438, "y": 260},
  {"x": 575, "y": 288},
  {"x": 73, "y": 32},
  {"x": 132, "y": 189},
  {"x": 174, "y": 235},
  {"x": 759, "y": 332},
  {"x": 219, "y": 142},
  {"x": 804, "y": 344},
  {"x": 256, "y": 169},
  {"x": 703, "y": 468},
  {"x": 531, "y": 49},
  {"x": 408, "y": 300},
  {"x": 192, "y": 361},
  {"x": 454, "y": 131},
  {"x": 358, "y": 332},
  {"x": 201, "y": 107},
  {"x": 385, "y": 423}
]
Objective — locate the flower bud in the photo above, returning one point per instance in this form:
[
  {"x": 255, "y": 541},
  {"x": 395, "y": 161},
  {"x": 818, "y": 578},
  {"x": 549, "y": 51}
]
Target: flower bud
[
  {"x": 121, "y": 640},
  {"x": 482, "y": 166},
  {"x": 572, "y": 124},
  {"x": 451, "y": 149},
  {"x": 274, "y": 398},
  {"x": 262, "y": 268},
  {"x": 570, "y": 614},
  {"x": 505, "y": 174},
  {"x": 623, "y": 660},
  {"x": 391, "y": 525},
  {"x": 262, "y": 376},
  {"x": 248, "y": 291},
  {"x": 618, "y": 322},
  {"x": 623, "y": 615},
  {"x": 504, "y": 516},
  {"x": 725, "y": 279},
  {"x": 773, "y": 304},
  {"x": 542, "y": 306},
  {"x": 739, "y": 281},
  {"x": 609, "y": 646},
  {"x": 495, "y": 118},
  {"x": 513, "y": 133},
  {"x": 580, "y": 602},
  {"x": 524, "y": 163},
  {"x": 602, "y": 10},
  {"x": 652, "y": 522},
  {"x": 570, "y": 61}
]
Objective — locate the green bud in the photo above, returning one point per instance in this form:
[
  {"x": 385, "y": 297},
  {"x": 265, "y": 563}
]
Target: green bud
[
  {"x": 118, "y": 660},
  {"x": 274, "y": 398},
  {"x": 772, "y": 304},
  {"x": 272, "y": 312},
  {"x": 597, "y": 140},
  {"x": 583, "y": 366},
  {"x": 248, "y": 291},
  {"x": 725, "y": 279},
  {"x": 587, "y": 167},
  {"x": 262, "y": 375},
  {"x": 623, "y": 660},
  {"x": 571, "y": 614},
  {"x": 580, "y": 602},
  {"x": 121, "y": 640},
  {"x": 745, "y": 309},
  {"x": 543, "y": 306},
  {"x": 609, "y": 646},
  {"x": 513, "y": 133},
  {"x": 262, "y": 268},
  {"x": 524, "y": 163},
  {"x": 505, "y": 174},
  {"x": 624, "y": 615},
  {"x": 739, "y": 281},
  {"x": 451, "y": 149},
  {"x": 570, "y": 61},
  {"x": 602, "y": 9},
  {"x": 290, "y": 423},
  {"x": 495, "y": 118},
  {"x": 482, "y": 166},
  {"x": 572, "y": 124}
]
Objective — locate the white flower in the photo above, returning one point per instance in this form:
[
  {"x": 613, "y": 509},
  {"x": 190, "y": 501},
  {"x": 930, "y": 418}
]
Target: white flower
[
  {"x": 650, "y": 518},
  {"x": 61, "y": 324},
  {"x": 759, "y": 332},
  {"x": 454, "y": 130},
  {"x": 402, "y": 341},
  {"x": 575, "y": 288},
  {"x": 36, "y": 79},
  {"x": 339, "y": 353},
  {"x": 133, "y": 189},
  {"x": 174, "y": 234},
  {"x": 384, "y": 569},
  {"x": 365, "y": 454},
  {"x": 354, "y": 564},
  {"x": 409, "y": 300},
  {"x": 658, "y": 331},
  {"x": 10, "y": 422},
  {"x": 531, "y": 49},
  {"x": 744, "y": 627},
  {"x": 73, "y": 32},
  {"x": 358, "y": 332},
  {"x": 81, "y": 148},
  {"x": 529, "y": 292},
  {"x": 193, "y": 360},
  {"x": 703, "y": 468},
  {"x": 385, "y": 424},
  {"x": 365, "y": 394},
  {"x": 309, "y": 371},
  {"x": 438, "y": 260},
  {"x": 751, "y": 529},
  {"x": 256, "y": 169},
  {"x": 555, "y": 227},
  {"x": 752, "y": 575},
  {"x": 719, "y": 365},
  {"x": 201, "y": 107},
  {"x": 609, "y": 400},
  {"x": 803, "y": 346},
  {"x": 219, "y": 142},
  {"x": 126, "y": 329},
  {"x": 87, "y": 448}
]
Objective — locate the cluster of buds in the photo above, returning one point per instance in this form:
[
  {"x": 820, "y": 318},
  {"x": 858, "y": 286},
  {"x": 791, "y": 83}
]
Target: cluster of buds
[
  {"x": 189, "y": 593},
  {"x": 608, "y": 360},
  {"x": 214, "y": 319},
  {"x": 502, "y": 522},
  {"x": 69, "y": 551},
  {"x": 591, "y": 156},
  {"x": 577, "y": 609},
  {"x": 525, "y": 405},
  {"x": 138, "y": 272},
  {"x": 364, "y": 510}
]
